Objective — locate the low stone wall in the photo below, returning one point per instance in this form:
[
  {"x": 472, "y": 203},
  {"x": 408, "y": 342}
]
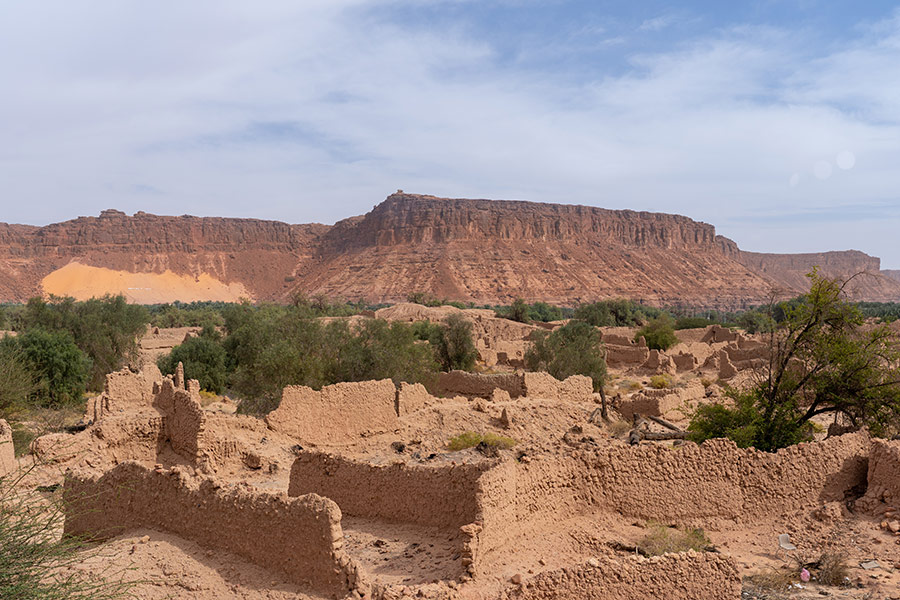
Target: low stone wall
[
  {"x": 439, "y": 496},
  {"x": 300, "y": 537},
  {"x": 124, "y": 391},
  {"x": 884, "y": 477},
  {"x": 622, "y": 356},
  {"x": 7, "y": 451},
  {"x": 687, "y": 576},
  {"x": 338, "y": 413},
  {"x": 412, "y": 397}
]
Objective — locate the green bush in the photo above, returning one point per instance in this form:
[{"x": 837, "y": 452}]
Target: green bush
[
  {"x": 541, "y": 311},
  {"x": 659, "y": 333},
  {"x": 660, "y": 382},
  {"x": 573, "y": 349},
  {"x": 518, "y": 311},
  {"x": 692, "y": 322},
  {"x": 59, "y": 367},
  {"x": 456, "y": 348},
  {"x": 203, "y": 359},
  {"x": 270, "y": 347},
  {"x": 754, "y": 321}
]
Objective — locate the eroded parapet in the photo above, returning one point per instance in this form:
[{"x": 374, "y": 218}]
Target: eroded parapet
[
  {"x": 185, "y": 421},
  {"x": 338, "y": 413},
  {"x": 883, "y": 491},
  {"x": 412, "y": 397},
  {"x": 7, "y": 451},
  {"x": 686, "y": 576},
  {"x": 300, "y": 537},
  {"x": 124, "y": 391}
]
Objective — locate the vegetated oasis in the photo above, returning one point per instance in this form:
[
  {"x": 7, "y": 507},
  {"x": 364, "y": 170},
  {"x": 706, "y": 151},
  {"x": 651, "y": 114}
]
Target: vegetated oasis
[{"x": 825, "y": 356}]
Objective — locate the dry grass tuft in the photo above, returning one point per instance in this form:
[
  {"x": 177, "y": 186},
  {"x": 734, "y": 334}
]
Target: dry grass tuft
[
  {"x": 470, "y": 439},
  {"x": 833, "y": 568},
  {"x": 661, "y": 540},
  {"x": 660, "y": 382}
]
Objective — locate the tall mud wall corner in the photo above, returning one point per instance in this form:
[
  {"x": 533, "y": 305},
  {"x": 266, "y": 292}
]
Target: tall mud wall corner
[
  {"x": 7, "y": 451},
  {"x": 300, "y": 537},
  {"x": 883, "y": 491}
]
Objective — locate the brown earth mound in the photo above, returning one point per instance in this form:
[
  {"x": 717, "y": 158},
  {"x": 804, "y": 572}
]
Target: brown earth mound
[{"x": 472, "y": 250}]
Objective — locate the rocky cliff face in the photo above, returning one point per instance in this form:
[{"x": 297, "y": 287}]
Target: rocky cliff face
[{"x": 479, "y": 250}]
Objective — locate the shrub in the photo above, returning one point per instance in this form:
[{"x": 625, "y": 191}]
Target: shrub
[
  {"x": 454, "y": 344},
  {"x": 470, "y": 439},
  {"x": 518, "y": 311},
  {"x": 660, "y": 382},
  {"x": 16, "y": 380},
  {"x": 661, "y": 540},
  {"x": 60, "y": 369},
  {"x": 659, "y": 333},
  {"x": 573, "y": 349},
  {"x": 203, "y": 359},
  {"x": 832, "y": 568},
  {"x": 541, "y": 311},
  {"x": 754, "y": 321}
]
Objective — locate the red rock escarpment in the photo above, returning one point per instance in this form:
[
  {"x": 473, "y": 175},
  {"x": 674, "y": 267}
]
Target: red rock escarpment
[{"x": 476, "y": 250}]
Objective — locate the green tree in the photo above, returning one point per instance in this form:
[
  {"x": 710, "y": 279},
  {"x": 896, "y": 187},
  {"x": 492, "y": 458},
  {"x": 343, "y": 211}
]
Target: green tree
[
  {"x": 60, "y": 368},
  {"x": 518, "y": 311},
  {"x": 659, "y": 333},
  {"x": 615, "y": 313},
  {"x": 455, "y": 346},
  {"x": 106, "y": 329},
  {"x": 203, "y": 358},
  {"x": 574, "y": 349},
  {"x": 822, "y": 359}
]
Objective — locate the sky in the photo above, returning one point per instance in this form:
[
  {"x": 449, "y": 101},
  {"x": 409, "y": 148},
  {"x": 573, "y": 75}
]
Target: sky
[{"x": 778, "y": 121}]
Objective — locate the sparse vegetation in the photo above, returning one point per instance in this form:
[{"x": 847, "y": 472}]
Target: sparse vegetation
[
  {"x": 34, "y": 561},
  {"x": 470, "y": 439},
  {"x": 662, "y": 540},
  {"x": 663, "y": 381}
]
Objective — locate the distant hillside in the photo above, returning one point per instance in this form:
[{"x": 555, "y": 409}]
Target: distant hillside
[{"x": 485, "y": 251}]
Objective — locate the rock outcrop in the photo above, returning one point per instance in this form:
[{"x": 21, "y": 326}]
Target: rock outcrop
[{"x": 473, "y": 250}]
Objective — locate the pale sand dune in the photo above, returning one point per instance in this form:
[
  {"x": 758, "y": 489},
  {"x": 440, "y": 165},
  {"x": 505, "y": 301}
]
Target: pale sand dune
[{"x": 83, "y": 282}]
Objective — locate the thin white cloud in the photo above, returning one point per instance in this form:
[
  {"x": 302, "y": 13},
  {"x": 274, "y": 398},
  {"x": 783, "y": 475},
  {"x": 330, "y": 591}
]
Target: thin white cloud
[{"x": 315, "y": 111}]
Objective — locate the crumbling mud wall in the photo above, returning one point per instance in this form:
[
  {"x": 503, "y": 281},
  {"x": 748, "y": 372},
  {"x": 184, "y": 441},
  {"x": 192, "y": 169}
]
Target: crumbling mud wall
[
  {"x": 117, "y": 438},
  {"x": 707, "y": 485},
  {"x": 412, "y": 397},
  {"x": 338, "y": 413},
  {"x": 687, "y": 576},
  {"x": 475, "y": 385},
  {"x": 7, "y": 451},
  {"x": 883, "y": 491},
  {"x": 576, "y": 388},
  {"x": 185, "y": 420},
  {"x": 440, "y": 496},
  {"x": 301, "y": 537},
  {"x": 659, "y": 402},
  {"x": 124, "y": 391}
]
